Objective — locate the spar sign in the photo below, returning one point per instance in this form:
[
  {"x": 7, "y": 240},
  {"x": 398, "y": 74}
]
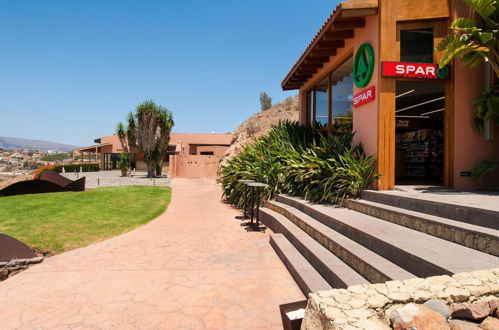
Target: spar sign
[
  {"x": 414, "y": 70},
  {"x": 364, "y": 97}
]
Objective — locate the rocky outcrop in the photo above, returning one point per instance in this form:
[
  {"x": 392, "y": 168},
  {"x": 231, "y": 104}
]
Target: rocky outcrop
[{"x": 259, "y": 123}]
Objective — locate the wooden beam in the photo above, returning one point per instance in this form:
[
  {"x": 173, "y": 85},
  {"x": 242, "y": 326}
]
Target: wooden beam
[
  {"x": 301, "y": 76},
  {"x": 324, "y": 52},
  {"x": 310, "y": 66},
  {"x": 350, "y": 24},
  {"x": 312, "y": 60},
  {"x": 359, "y": 4},
  {"x": 386, "y": 99},
  {"x": 339, "y": 35},
  {"x": 353, "y": 13},
  {"x": 298, "y": 80},
  {"x": 306, "y": 72},
  {"x": 331, "y": 44}
]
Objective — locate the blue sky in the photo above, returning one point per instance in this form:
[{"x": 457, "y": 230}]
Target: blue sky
[{"x": 71, "y": 70}]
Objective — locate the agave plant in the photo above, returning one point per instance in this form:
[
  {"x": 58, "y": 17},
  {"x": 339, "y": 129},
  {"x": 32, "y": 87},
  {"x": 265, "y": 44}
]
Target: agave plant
[{"x": 298, "y": 160}]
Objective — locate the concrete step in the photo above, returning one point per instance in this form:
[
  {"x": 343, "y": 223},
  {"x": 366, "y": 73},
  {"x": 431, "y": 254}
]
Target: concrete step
[
  {"x": 307, "y": 278},
  {"x": 370, "y": 265},
  {"x": 468, "y": 214},
  {"x": 332, "y": 269},
  {"x": 418, "y": 253},
  {"x": 476, "y": 237}
]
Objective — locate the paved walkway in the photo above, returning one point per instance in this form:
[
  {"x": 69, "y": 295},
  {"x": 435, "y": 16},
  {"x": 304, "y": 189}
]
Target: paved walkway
[
  {"x": 114, "y": 178},
  {"x": 193, "y": 267}
]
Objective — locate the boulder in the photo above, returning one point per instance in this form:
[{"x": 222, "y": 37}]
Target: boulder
[
  {"x": 474, "y": 312},
  {"x": 490, "y": 323},
  {"x": 415, "y": 316},
  {"x": 438, "y": 306},
  {"x": 463, "y": 325}
]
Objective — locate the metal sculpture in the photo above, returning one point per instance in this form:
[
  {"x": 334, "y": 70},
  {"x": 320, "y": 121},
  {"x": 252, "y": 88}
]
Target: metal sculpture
[
  {"x": 49, "y": 181},
  {"x": 11, "y": 248}
]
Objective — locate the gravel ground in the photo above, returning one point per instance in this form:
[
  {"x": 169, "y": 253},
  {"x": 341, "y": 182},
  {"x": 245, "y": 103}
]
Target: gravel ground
[{"x": 114, "y": 178}]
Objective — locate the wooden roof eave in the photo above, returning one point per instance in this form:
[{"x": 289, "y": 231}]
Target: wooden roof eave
[
  {"x": 340, "y": 26},
  {"x": 92, "y": 148}
]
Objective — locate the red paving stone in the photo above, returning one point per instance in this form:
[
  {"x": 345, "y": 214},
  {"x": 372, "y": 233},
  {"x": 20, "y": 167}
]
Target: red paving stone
[{"x": 193, "y": 267}]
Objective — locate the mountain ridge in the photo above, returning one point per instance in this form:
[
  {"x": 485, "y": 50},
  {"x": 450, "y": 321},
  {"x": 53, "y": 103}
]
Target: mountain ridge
[{"x": 12, "y": 143}]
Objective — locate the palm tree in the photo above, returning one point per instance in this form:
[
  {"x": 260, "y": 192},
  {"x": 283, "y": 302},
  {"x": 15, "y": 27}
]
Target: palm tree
[
  {"x": 126, "y": 134},
  {"x": 153, "y": 124},
  {"x": 148, "y": 130}
]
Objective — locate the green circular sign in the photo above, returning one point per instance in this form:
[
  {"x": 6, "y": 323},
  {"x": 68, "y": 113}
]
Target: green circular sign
[{"x": 363, "y": 65}]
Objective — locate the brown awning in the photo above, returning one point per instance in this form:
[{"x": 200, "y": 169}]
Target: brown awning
[{"x": 340, "y": 26}]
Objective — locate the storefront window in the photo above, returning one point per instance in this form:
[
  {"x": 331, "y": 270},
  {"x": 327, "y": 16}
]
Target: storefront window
[
  {"x": 321, "y": 104},
  {"x": 416, "y": 45},
  {"x": 342, "y": 92},
  {"x": 338, "y": 88}
]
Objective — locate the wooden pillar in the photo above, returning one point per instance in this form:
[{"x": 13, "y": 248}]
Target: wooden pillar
[
  {"x": 386, "y": 101},
  {"x": 302, "y": 107},
  {"x": 329, "y": 105}
]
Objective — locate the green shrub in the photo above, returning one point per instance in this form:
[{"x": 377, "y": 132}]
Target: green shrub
[{"x": 299, "y": 161}]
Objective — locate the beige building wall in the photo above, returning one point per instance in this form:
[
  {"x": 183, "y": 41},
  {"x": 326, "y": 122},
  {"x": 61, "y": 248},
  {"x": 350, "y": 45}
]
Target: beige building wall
[
  {"x": 194, "y": 166},
  {"x": 365, "y": 117},
  {"x": 469, "y": 147}
]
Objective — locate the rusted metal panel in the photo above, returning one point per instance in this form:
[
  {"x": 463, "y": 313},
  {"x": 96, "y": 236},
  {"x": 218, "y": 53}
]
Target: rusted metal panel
[{"x": 11, "y": 248}]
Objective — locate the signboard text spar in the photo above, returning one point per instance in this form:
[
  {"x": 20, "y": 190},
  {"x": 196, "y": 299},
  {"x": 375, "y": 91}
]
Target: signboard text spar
[
  {"x": 412, "y": 70},
  {"x": 364, "y": 97}
]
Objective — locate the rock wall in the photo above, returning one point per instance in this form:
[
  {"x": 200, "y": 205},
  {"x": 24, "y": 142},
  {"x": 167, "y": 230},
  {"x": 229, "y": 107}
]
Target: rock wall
[{"x": 376, "y": 306}]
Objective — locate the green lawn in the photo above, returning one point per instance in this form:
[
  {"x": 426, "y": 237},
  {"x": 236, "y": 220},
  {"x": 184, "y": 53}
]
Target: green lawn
[{"x": 58, "y": 222}]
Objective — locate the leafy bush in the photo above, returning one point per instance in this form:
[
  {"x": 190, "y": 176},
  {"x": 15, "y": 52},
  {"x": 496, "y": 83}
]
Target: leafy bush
[
  {"x": 86, "y": 167},
  {"x": 299, "y": 161}
]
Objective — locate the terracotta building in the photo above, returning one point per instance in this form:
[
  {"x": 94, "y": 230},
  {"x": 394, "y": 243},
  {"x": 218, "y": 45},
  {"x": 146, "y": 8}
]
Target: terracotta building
[
  {"x": 372, "y": 68},
  {"x": 189, "y": 154}
]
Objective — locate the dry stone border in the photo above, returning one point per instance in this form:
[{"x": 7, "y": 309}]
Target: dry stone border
[
  {"x": 15, "y": 266},
  {"x": 396, "y": 303}
]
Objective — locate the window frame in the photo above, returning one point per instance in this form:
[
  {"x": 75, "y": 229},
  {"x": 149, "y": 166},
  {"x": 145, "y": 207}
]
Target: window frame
[{"x": 311, "y": 105}]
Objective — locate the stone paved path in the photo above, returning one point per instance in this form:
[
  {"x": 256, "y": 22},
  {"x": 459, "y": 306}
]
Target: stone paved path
[{"x": 193, "y": 267}]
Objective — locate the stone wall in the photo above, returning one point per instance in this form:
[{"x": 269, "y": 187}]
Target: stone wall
[{"x": 371, "y": 306}]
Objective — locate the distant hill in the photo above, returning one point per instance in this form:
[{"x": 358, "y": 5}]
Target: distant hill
[
  {"x": 259, "y": 123},
  {"x": 18, "y": 144}
]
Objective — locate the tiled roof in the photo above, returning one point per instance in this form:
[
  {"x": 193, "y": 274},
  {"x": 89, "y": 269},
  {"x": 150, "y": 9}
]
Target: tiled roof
[{"x": 347, "y": 11}]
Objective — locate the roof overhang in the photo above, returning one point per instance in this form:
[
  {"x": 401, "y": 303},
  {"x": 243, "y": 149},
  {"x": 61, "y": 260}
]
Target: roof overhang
[
  {"x": 340, "y": 26},
  {"x": 93, "y": 148}
]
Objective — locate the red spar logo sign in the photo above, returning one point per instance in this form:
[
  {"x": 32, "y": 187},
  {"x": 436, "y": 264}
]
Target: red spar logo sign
[
  {"x": 410, "y": 70},
  {"x": 364, "y": 97}
]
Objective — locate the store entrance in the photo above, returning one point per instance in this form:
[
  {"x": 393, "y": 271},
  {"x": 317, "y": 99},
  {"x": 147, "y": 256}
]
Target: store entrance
[{"x": 419, "y": 122}]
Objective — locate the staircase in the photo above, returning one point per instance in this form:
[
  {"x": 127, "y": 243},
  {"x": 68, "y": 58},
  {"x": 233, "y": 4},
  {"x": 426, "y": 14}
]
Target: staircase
[{"x": 378, "y": 238}]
